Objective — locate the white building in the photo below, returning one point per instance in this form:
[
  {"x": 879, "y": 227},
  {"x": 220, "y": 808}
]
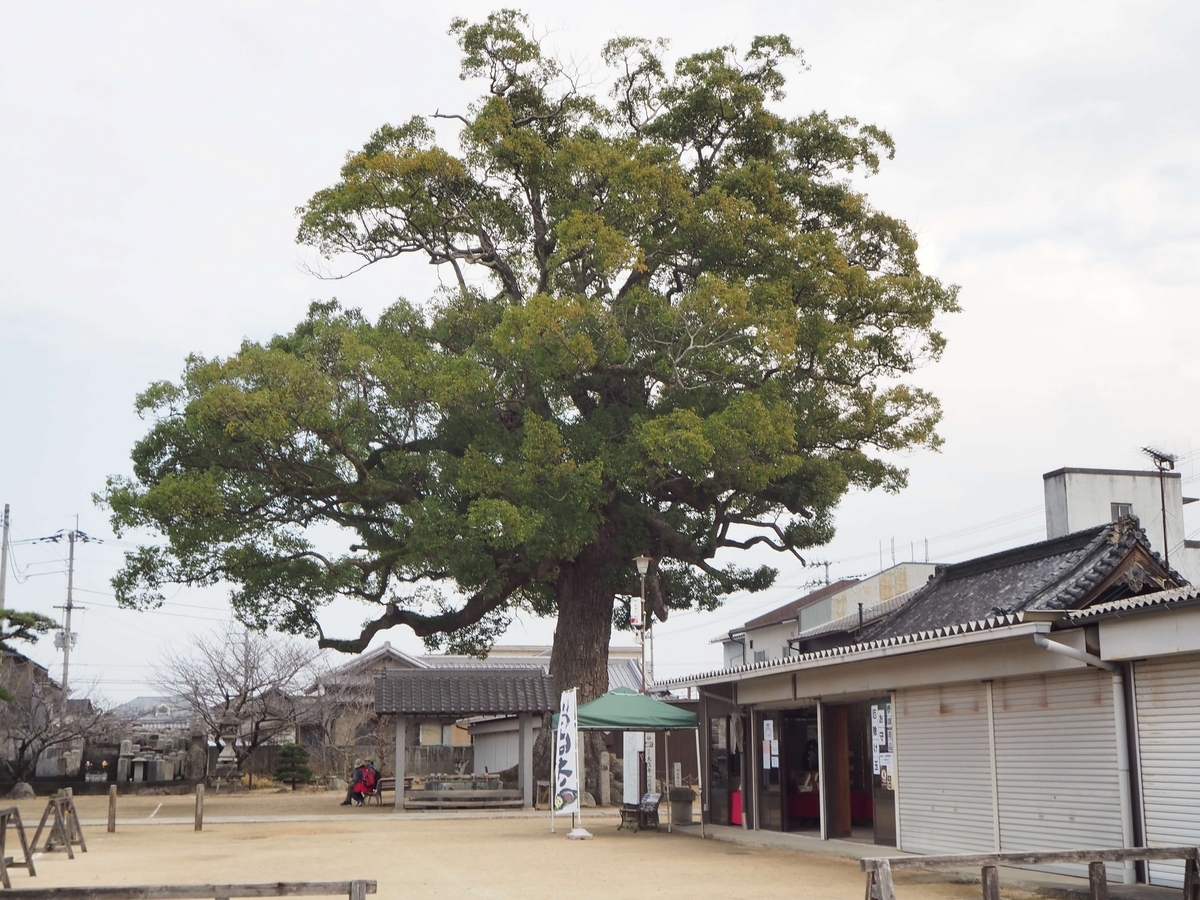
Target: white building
[
  {"x": 770, "y": 635},
  {"x": 1083, "y": 498}
]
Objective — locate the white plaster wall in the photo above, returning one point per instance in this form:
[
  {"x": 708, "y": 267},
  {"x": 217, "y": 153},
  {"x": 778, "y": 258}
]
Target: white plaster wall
[
  {"x": 899, "y": 579},
  {"x": 1079, "y": 500}
]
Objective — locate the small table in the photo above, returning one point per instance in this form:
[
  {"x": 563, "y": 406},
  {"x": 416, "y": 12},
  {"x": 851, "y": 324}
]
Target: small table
[{"x": 643, "y": 815}]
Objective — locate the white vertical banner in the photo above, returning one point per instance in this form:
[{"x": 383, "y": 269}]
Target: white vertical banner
[
  {"x": 566, "y": 757},
  {"x": 651, "y": 762},
  {"x": 633, "y": 745}
]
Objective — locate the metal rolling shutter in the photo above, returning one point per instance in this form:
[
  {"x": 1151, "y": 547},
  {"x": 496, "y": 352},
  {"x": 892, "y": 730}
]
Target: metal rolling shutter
[
  {"x": 1168, "y": 723},
  {"x": 944, "y": 769},
  {"x": 1056, "y": 764}
]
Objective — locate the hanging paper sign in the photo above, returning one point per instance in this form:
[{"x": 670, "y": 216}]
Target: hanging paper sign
[
  {"x": 677, "y": 774},
  {"x": 635, "y": 612},
  {"x": 877, "y": 737},
  {"x": 768, "y": 729},
  {"x": 766, "y": 745},
  {"x": 566, "y": 757}
]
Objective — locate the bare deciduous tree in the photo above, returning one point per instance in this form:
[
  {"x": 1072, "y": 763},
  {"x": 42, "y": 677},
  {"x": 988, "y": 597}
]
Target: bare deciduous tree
[
  {"x": 245, "y": 675},
  {"x": 32, "y": 721}
]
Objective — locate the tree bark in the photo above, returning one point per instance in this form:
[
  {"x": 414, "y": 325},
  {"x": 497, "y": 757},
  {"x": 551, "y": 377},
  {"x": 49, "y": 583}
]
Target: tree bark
[{"x": 579, "y": 658}]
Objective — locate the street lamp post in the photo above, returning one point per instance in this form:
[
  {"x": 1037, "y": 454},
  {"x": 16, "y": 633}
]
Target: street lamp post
[{"x": 643, "y": 566}]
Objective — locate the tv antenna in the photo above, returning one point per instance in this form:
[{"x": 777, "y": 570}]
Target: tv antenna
[{"x": 1164, "y": 462}]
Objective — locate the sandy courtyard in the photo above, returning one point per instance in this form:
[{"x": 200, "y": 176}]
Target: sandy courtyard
[{"x": 411, "y": 857}]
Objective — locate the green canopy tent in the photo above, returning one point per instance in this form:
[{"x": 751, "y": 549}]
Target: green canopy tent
[{"x": 624, "y": 709}]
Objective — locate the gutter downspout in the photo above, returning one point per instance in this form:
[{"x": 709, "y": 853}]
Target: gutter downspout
[
  {"x": 1121, "y": 718},
  {"x": 740, "y": 637}
]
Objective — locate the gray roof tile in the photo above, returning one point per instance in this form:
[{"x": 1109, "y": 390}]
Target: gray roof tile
[{"x": 465, "y": 692}]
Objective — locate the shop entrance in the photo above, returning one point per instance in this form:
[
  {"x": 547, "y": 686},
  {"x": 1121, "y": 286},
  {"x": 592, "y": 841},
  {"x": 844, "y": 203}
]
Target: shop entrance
[
  {"x": 859, "y": 771},
  {"x": 726, "y": 765},
  {"x": 801, "y": 774}
]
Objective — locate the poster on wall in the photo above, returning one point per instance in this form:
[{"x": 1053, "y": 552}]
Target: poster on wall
[
  {"x": 566, "y": 757},
  {"x": 876, "y": 735},
  {"x": 633, "y": 744},
  {"x": 766, "y": 748},
  {"x": 887, "y": 770}
]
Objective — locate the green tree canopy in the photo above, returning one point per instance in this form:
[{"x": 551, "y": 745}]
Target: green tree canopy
[
  {"x": 292, "y": 766},
  {"x": 20, "y": 626},
  {"x": 671, "y": 324}
]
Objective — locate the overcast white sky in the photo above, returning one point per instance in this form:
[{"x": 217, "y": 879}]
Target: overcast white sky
[{"x": 151, "y": 157}]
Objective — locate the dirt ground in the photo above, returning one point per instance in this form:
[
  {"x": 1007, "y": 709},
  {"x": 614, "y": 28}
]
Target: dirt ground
[{"x": 414, "y": 857}]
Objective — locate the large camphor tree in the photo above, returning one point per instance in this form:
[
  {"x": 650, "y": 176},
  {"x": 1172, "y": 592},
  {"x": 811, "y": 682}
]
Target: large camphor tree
[{"x": 666, "y": 322}]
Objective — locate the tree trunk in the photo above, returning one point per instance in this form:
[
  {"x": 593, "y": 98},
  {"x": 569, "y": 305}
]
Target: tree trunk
[{"x": 579, "y": 658}]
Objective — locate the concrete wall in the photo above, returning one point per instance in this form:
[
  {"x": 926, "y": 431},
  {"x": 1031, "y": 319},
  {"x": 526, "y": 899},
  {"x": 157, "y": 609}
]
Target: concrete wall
[{"x": 1082, "y": 498}]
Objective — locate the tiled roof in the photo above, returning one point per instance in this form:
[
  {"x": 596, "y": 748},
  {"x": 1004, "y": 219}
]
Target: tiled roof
[
  {"x": 989, "y": 623},
  {"x": 1054, "y": 575},
  {"x": 465, "y": 692},
  {"x": 792, "y": 609},
  {"x": 993, "y": 592},
  {"x": 1186, "y": 594}
]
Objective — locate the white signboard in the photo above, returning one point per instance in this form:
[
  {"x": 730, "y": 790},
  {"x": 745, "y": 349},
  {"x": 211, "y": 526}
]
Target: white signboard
[
  {"x": 635, "y": 612},
  {"x": 651, "y": 762},
  {"x": 633, "y": 745},
  {"x": 566, "y": 757},
  {"x": 677, "y": 774}
]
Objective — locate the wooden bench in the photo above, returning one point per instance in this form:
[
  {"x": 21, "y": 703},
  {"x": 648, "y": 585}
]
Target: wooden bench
[
  {"x": 383, "y": 784},
  {"x": 643, "y": 815},
  {"x": 355, "y": 890},
  {"x": 879, "y": 869},
  {"x": 463, "y": 799}
]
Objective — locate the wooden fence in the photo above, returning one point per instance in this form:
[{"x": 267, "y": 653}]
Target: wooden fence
[
  {"x": 354, "y": 890},
  {"x": 879, "y": 869}
]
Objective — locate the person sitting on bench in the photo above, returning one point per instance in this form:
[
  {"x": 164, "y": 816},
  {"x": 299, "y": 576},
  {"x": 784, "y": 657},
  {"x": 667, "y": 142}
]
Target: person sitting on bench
[
  {"x": 356, "y": 780},
  {"x": 366, "y": 785}
]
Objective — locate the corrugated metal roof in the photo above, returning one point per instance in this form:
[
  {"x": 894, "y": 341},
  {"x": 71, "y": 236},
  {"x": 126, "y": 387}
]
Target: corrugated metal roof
[
  {"x": 792, "y": 609},
  {"x": 1185, "y": 594},
  {"x": 850, "y": 621},
  {"x": 465, "y": 692}
]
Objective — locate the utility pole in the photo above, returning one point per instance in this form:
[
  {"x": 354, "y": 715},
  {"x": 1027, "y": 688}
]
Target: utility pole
[
  {"x": 4, "y": 557},
  {"x": 70, "y": 606},
  {"x": 65, "y": 638}
]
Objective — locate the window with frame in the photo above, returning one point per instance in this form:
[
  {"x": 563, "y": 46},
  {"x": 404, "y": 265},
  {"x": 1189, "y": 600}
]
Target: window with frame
[{"x": 1121, "y": 510}]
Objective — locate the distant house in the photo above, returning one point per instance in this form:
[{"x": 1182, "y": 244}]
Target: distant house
[
  {"x": 771, "y": 635},
  {"x": 155, "y": 714},
  {"x": 1082, "y": 498}
]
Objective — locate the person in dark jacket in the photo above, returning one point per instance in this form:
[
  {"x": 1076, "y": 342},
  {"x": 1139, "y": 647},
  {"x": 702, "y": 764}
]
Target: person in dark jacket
[{"x": 356, "y": 781}]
